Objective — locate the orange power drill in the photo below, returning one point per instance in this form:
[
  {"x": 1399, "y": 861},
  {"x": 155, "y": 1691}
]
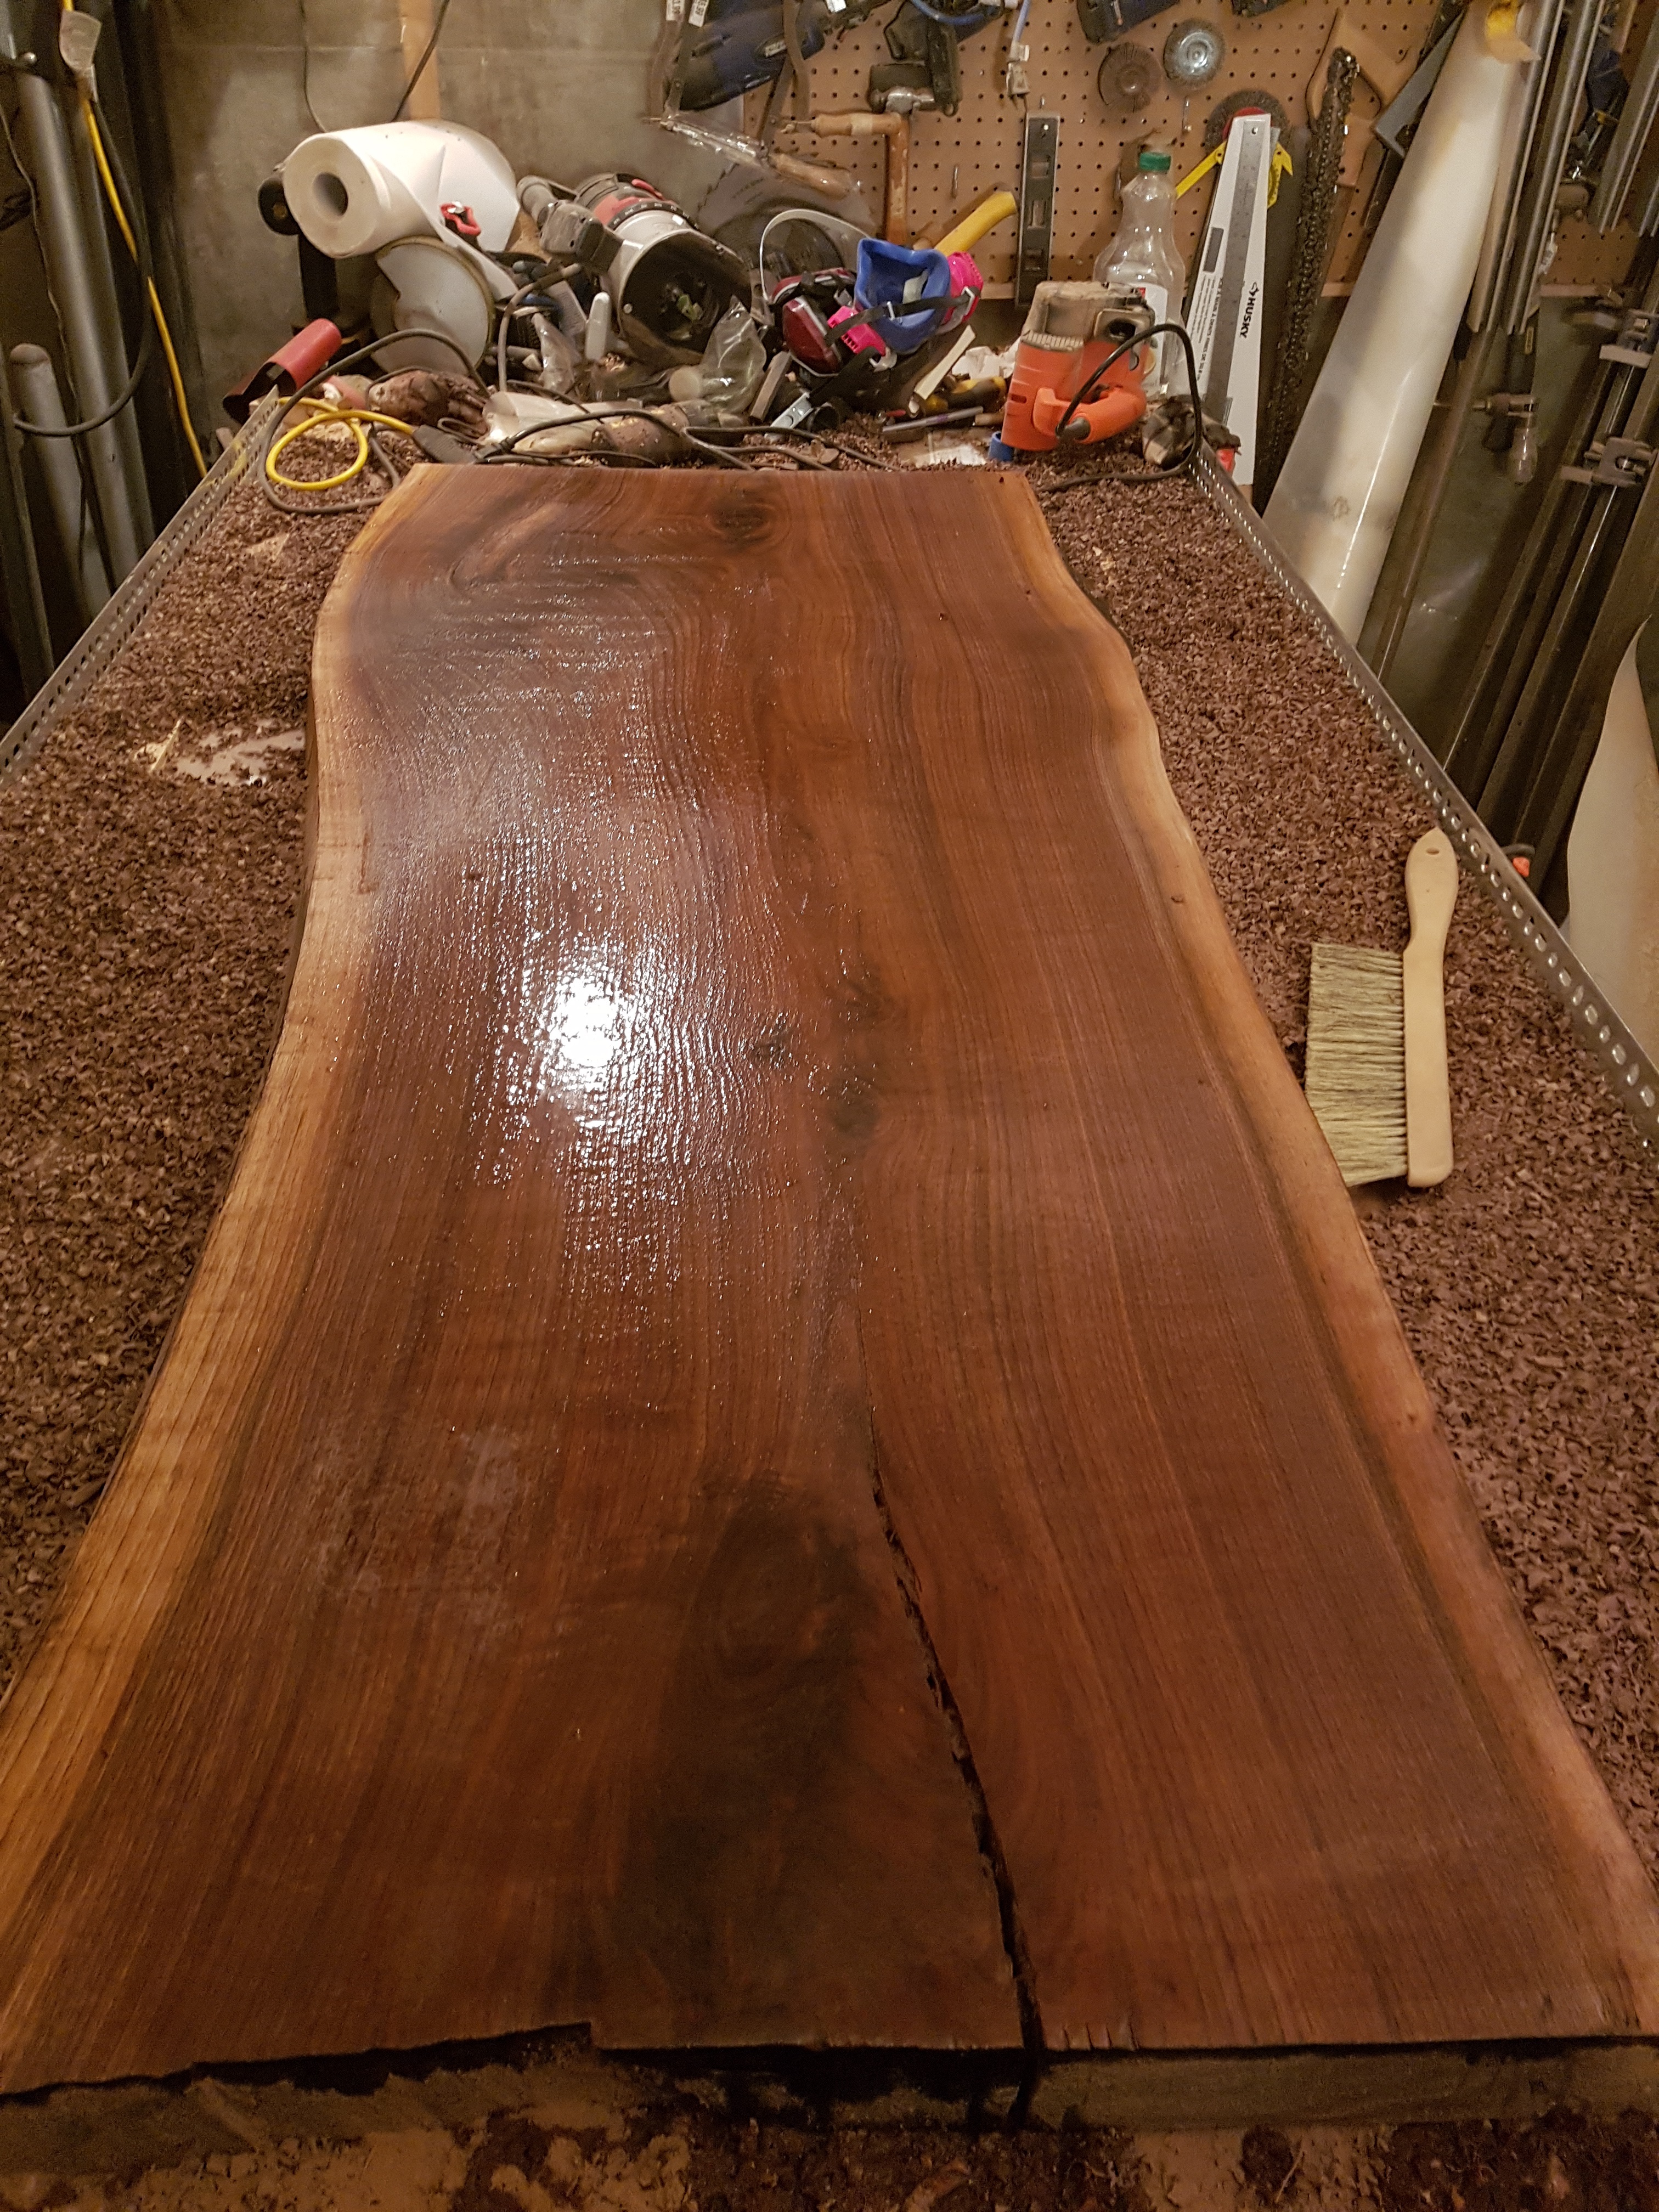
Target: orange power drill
[{"x": 1072, "y": 332}]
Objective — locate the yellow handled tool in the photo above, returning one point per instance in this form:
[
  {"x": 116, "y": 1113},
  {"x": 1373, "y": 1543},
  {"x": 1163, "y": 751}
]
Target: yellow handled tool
[{"x": 972, "y": 228}]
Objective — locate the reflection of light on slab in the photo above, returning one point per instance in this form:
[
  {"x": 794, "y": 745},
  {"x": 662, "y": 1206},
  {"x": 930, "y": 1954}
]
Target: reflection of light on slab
[
  {"x": 597, "y": 1034},
  {"x": 589, "y": 1022}
]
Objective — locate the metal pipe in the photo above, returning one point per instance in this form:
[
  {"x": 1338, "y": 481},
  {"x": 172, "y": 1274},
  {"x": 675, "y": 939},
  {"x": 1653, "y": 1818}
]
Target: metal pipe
[
  {"x": 1537, "y": 575},
  {"x": 1523, "y": 758},
  {"x": 63, "y": 241},
  {"x": 1629, "y": 137},
  {"x": 1504, "y": 793},
  {"x": 1489, "y": 284},
  {"x": 1549, "y": 790},
  {"x": 106, "y": 300},
  {"x": 1560, "y": 112},
  {"x": 1397, "y": 604},
  {"x": 42, "y": 402}
]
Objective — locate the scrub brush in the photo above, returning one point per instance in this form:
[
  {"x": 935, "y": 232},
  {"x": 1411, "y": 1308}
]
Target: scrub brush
[{"x": 1376, "y": 1038}]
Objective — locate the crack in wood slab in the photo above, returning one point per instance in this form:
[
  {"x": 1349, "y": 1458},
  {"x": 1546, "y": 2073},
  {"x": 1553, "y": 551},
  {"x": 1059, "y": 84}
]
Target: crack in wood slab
[{"x": 991, "y": 1850}]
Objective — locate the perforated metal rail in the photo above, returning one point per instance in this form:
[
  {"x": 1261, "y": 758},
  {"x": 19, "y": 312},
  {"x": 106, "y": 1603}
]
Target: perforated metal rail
[
  {"x": 103, "y": 637},
  {"x": 1629, "y": 1072}
]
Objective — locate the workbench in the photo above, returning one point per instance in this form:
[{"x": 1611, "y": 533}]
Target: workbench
[{"x": 1289, "y": 762}]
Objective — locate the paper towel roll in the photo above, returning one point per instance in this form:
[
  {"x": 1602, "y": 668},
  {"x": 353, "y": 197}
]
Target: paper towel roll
[{"x": 353, "y": 191}]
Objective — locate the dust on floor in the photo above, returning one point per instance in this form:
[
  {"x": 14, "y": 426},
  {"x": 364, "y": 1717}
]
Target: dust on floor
[{"x": 524, "y": 2160}]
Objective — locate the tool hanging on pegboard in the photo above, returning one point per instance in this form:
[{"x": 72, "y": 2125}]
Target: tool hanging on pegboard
[
  {"x": 924, "y": 39},
  {"x": 1102, "y": 20},
  {"x": 727, "y": 47},
  {"x": 1129, "y": 76},
  {"x": 1107, "y": 95},
  {"x": 1036, "y": 205},
  {"x": 1192, "y": 55},
  {"x": 1313, "y": 246},
  {"x": 1251, "y": 102},
  {"x": 1224, "y": 314}
]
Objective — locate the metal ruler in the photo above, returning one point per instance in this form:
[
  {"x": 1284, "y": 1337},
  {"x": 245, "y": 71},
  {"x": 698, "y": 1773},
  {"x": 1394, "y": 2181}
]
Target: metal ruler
[{"x": 1234, "y": 228}]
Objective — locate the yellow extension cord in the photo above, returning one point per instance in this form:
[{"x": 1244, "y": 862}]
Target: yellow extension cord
[
  {"x": 161, "y": 329},
  {"x": 355, "y": 417}
]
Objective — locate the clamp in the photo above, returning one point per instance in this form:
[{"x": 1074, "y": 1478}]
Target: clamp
[
  {"x": 1622, "y": 463},
  {"x": 1638, "y": 334}
]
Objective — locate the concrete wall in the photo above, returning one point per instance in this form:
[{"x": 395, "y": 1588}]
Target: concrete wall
[{"x": 558, "y": 84}]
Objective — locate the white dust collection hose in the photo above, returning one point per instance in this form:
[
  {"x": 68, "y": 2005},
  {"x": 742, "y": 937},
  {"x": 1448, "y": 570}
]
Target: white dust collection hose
[
  {"x": 1613, "y": 860},
  {"x": 1339, "y": 494}
]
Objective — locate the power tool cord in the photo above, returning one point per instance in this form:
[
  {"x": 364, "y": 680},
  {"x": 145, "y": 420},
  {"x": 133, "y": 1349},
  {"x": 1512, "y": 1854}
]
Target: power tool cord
[
  {"x": 505, "y": 450},
  {"x": 551, "y": 272},
  {"x": 599, "y": 411},
  {"x": 146, "y": 340},
  {"x": 818, "y": 438},
  {"x": 1090, "y": 384},
  {"x": 276, "y": 436},
  {"x": 426, "y": 52},
  {"x": 117, "y": 187}
]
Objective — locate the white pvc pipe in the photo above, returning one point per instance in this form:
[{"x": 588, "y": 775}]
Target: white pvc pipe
[
  {"x": 1613, "y": 860},
  {"x": 40, "y": 401},
  {"x": 97, "y": 364},
  {"x": 1339, "y": 495}
]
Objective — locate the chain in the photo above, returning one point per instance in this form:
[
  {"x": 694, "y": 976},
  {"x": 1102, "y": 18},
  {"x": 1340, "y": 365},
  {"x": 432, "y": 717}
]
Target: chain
[{"x": 1313, "y": 239}]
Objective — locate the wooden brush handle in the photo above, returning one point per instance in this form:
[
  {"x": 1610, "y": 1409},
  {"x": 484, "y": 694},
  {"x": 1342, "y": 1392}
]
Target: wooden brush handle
[{"x": 1431, "y": 894}]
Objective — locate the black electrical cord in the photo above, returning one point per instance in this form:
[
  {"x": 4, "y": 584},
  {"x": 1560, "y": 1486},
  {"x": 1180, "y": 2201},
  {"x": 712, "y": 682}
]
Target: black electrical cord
[
  {"x": 598, "y": 411},
  {"x": 375, "y": 345},
  {"x": 606, "y": 455},
  {"x": 146, "y": 277},
  {"x": 1086, "y": 391},
  {"x": 506, "y": 449},
  {"x": 430, "y": 48},
  {"x": 818, "y": 438},
  {"x": 304, "y": 392},
  {"x": 560, "y": 272}
]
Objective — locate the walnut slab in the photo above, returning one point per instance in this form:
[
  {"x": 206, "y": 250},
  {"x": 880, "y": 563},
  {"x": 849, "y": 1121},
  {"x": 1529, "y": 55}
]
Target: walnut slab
[{"x": 782, "y": 1340}]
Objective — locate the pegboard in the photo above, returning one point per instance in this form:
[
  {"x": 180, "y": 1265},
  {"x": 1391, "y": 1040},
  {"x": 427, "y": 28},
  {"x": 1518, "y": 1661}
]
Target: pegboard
[{"x": 956, "y": 160}]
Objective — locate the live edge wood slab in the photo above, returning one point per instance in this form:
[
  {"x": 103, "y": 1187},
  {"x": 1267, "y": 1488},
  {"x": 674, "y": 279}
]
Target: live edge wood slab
[{"x": 785, "y": 1436}]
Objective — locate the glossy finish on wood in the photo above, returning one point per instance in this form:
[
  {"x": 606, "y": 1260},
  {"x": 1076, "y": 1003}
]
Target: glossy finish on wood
[{"x": 777, "y": 1234}]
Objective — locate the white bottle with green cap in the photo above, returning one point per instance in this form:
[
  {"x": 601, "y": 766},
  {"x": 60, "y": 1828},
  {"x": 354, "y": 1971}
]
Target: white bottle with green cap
[{"x": 1143, "y": 257}]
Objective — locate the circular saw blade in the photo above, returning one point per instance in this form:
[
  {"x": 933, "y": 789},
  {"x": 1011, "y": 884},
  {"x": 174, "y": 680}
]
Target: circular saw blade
[{"x": 1253, "y": 102}]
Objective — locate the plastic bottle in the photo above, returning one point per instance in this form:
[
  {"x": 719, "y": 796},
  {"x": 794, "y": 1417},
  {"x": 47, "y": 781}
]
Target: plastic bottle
[{"x": 1144, "y": 257}]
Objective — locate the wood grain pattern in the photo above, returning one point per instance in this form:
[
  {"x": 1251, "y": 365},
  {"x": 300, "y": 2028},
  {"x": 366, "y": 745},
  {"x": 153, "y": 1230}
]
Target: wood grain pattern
[{"x": 773, "y": 1185}]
